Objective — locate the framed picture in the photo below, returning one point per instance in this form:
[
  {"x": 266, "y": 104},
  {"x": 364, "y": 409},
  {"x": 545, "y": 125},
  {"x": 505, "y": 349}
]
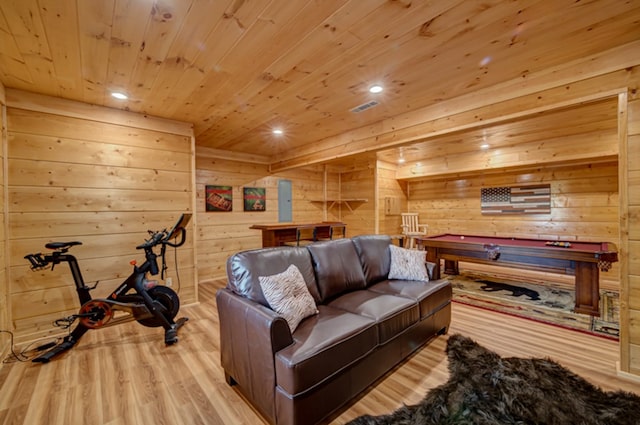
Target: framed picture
[
  {"x": 255, "y": 199},
  {"x": 218, "y": 198}
]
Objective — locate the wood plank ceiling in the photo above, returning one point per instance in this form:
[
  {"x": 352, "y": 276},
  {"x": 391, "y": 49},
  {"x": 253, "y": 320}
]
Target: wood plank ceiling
[{"x": 238, "y": 69}]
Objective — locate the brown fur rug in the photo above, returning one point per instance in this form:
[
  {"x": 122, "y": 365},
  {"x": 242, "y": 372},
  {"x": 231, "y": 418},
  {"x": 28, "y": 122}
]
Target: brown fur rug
[{"x": 484, "y": 388}]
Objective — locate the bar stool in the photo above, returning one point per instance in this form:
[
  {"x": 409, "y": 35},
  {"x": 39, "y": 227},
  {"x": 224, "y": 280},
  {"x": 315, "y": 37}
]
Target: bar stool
[
  {"x": 304, "y": 236},
  {"x": 336, "y": 231}
]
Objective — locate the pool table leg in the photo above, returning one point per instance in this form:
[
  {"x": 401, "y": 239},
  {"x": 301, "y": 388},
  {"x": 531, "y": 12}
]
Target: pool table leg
[
  {"x": 451, "y": 267},
  {"x": 587, "y": 288}
]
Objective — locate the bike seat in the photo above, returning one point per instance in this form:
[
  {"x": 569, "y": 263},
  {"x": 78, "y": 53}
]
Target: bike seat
[{"x": 62, "y": 245}]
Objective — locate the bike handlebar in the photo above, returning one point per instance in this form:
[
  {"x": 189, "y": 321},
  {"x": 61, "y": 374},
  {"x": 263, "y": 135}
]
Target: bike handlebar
[
  {"x": 156, "y": 238},
  {"x": 165, "y": 236},
  {"x": 162, "y": 237}
]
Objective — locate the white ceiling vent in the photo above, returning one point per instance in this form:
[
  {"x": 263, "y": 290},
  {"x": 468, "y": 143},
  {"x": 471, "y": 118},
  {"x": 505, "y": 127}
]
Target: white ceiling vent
[{"x": 364, "y": 107}]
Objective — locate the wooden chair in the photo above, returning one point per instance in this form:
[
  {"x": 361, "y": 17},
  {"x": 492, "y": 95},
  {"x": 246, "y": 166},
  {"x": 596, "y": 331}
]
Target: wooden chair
[
  {"x": 411, "y": 229},
  {"x": 336, "y": 231},
  {"x": 304, "y": 236}
]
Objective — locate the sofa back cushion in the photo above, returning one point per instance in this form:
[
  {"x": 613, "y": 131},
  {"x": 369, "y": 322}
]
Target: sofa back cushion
[
  {"x": 337, "y": 267},
  {"x": 375, "y": 258},
  {"x": 244, "y": 269}
]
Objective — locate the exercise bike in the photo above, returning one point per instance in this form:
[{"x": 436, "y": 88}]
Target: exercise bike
[{"x": 137, "y": 298}]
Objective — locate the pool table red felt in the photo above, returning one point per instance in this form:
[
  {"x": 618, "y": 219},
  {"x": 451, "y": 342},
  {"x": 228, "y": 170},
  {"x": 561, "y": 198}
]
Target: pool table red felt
[{"x": 584, "y": 260}]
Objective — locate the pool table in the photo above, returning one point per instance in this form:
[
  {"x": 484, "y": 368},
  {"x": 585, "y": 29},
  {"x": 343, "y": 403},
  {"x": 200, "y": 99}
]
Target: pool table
[{"x": 584, "y": 260}]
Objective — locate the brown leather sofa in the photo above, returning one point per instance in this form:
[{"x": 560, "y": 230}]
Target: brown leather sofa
[{"x": 366, "y": 325}]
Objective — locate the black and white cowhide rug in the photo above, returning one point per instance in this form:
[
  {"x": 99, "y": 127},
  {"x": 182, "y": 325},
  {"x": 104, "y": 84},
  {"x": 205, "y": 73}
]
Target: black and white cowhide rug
[{"x": 484, "y": 388}]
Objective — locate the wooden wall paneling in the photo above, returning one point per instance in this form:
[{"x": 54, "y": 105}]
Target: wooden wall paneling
[
  {"x": 22, "y": 172},
  {"x": 221, "y": 234},
  {"x": 577, "y": 148},
  {"x": 137, "y": 123},
  {"x": 58, "y": 224},
  {"x": 98, "y": 179},
  {"x": 194, "y": 227},
  {"x": 625, "y": 119},
  {"x": 330, "y": 193},
  {"x": 630, "y": 336},
  {"x": 5, "y": 316},
  {"x": 452, "y": 205},
  {"x": 65, "y": 127},
  {"x": 553, "y": 126},
  {"x": 99, "y": 153},
  {"x": 376, "y": 199},
  {"x": 577, "y": 189},
  {"x": 214, "y": 241},
  {"x": 88, "y": 200},
  {"x": 389, "y": 186},
  {"x": 634, "y": 292},
  {"x": 359, "y": 184}
]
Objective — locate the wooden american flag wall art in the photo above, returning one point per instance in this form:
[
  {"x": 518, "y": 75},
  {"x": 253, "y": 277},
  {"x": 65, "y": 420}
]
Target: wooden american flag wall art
[{"x": 531, "y": 199}]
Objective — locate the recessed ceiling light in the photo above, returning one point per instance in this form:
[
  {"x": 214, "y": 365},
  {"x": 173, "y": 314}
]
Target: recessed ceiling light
[
  {"x": 375, "y": 89},
  {"x": 120, "y": 96},
  {"x": 400, "y": 160},
  {"x": 484, "y": 146},
  {"x": 278, "y": 132}
]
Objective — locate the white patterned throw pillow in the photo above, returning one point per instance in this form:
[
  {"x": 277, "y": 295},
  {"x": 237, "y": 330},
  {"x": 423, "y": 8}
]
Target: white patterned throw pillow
[
  {"x": 288, "y": 295},
  {"x": 408, "y": 264}
]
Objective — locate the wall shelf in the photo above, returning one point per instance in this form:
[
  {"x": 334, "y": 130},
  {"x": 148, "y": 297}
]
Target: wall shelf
[{"x": 349, "y": 203}]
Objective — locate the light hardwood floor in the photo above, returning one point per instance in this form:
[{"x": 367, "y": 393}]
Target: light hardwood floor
[{"x": 125, "y": 374}]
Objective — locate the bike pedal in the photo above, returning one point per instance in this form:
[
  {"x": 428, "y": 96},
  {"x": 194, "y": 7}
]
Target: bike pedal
[
  {"x": 170, "y": 340},
  {"x": 181, "y": 321}
]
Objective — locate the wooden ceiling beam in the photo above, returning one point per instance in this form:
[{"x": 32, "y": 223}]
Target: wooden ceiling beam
[
  {"x": 603, "y": 75},
  {"x": 205, "y": 152}
]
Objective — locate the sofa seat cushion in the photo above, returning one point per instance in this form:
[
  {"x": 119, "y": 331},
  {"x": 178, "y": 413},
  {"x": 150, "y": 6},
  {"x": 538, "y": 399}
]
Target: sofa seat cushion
[
  {"x": 323, "y": 345},
  {"x": 392, "y": 314},
  {"x": 431, "y": 296}
]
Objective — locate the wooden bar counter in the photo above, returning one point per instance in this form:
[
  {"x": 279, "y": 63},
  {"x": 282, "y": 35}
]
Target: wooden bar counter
[{"x": 278, "y": 234}]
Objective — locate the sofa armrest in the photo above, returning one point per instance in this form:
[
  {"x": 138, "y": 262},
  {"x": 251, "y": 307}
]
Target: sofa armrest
[
  {"x": 430, "y": 267},
  {"x": 250, "y": 335}
]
